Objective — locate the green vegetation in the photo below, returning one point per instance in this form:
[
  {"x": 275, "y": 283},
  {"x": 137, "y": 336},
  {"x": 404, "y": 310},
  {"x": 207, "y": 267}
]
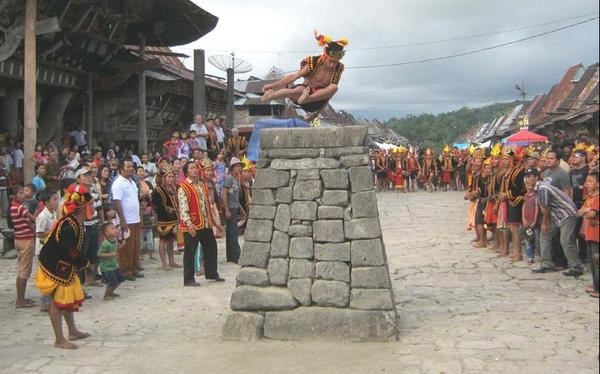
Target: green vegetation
[{"x": 428, "y": 130}]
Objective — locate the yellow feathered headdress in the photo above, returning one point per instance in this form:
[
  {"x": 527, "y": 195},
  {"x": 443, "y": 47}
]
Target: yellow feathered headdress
[
  {"x": 333, "y": 48},
  {"x": 496, "y": 150},
  {"x": 581, "y": 146},
  {"x": 247, "y": 165}
]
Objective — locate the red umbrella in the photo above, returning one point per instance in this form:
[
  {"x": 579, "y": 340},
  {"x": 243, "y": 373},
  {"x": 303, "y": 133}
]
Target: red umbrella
[{"x": 525, "y": 136}]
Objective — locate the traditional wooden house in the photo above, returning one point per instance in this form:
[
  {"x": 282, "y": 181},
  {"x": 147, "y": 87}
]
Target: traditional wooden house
[{"x": 87, "y": 68}]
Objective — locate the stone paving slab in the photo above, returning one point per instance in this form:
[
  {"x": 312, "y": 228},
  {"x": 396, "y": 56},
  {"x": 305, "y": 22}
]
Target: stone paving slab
[{"x": 461, "y": 310}]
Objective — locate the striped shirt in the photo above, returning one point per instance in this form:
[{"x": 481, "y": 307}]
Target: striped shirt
[
  {"x": 21, "y": 224},
  {"x": 560, "y": 204}
]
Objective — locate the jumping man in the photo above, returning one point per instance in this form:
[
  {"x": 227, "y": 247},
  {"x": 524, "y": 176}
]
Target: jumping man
[{"x": 321, "y": 78}]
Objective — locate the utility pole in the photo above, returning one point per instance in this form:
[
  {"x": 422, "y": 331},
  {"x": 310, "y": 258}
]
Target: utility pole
[
  {"x": 199, "y": 84},
  {"x": 143, "y": 129},
  {"x": 30, "y": 94}
]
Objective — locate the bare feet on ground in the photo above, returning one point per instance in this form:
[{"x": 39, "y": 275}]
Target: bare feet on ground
[
  {"x": 267, "y": 96},
  {"x": 305, "y": 94},
  {"x": 65, "y": 344},
  {"x": 79, "y": 335}
]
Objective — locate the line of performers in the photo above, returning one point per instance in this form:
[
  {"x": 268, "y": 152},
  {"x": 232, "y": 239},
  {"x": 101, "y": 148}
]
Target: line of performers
[{"x": 403, "y": 169}]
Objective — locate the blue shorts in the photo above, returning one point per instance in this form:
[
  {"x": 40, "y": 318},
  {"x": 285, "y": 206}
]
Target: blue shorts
[{"x": 113, "y": 278}]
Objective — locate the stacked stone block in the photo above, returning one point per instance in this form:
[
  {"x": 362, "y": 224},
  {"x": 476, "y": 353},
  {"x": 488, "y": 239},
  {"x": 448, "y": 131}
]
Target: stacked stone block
[{"x": 313, "y": 260}]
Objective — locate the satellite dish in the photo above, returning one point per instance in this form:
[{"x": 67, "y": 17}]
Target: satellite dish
[
  {"x": 224, "y": 62},
  {"x": 231, "y": 65}
]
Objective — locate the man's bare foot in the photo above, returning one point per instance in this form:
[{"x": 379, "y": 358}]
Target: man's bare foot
[
  {"x": 78, "y": 335},
  {"x": 516, "y": 259},
  {"x": 590, "y": 288},
  {"x": 65, "y": 344},
  {"x": 267, "y": 96},
  {"x": 166, "y": 268},
  {"x": 305, "y": 94},
  {"x": 479, "y": 245},
  {"x": 311, "y": 116}
]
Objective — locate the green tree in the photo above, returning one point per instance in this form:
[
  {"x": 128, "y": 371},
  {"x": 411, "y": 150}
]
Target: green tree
[{"x": 428, "y": 130}]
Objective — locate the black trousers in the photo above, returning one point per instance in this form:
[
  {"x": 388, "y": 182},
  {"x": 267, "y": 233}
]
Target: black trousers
[{"x": 209, "y": 254}]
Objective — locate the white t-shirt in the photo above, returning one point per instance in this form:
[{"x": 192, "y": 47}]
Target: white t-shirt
[
  {"x": 19, "y": 156},
  {"x": 126, "y": 191},
  {"x": 43, "y": 223},
  {"x": 150, "y": 168},
  {"x": 201, "y": 133},
  {"x": 79, "y": 137},
  {"x": 220, "y": 134}
]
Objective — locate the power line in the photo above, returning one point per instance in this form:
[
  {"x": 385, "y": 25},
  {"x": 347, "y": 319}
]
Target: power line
[
  {"x": 414, "y": 44},
  {"x": 474, "y": 51}
]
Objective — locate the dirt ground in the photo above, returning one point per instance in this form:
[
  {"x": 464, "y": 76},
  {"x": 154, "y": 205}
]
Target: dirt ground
[{"x": 462, "y": 310}]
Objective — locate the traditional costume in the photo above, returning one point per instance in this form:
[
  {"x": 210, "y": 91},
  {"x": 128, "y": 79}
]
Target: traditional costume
[
  {"x": 400, "y": 168},
  {"x": 428, "y": 168},
  {"x": 447, "y": 166},
  {"x": 413, "y": 167},
  {"x": 493, "y": 188},
  {"x": 166, "y": 206},
  {"x": 332, "y": 49},
  {"x": 236, "y": 146},
  {"x": 62, "y": 255},
  {"x": 197, "y": 209}
]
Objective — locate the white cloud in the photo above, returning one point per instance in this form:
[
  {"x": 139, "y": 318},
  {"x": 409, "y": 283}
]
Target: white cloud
[{"x": 249, "y": 26}]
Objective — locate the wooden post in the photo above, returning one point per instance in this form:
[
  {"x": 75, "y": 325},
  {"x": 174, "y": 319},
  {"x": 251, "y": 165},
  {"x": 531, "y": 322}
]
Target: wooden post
[
  {"x": 199, "y": 84},
  {"x": 30, "y": 81},
  {"x": 89, "y": 110},
  {"x": 143, "y": 139},
  {"x": 230, "y": 98}
]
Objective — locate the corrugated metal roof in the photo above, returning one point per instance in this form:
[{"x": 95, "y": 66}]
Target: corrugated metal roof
[{"x": 581, "y": 89}]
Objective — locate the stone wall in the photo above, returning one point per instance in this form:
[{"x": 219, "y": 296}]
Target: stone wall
[{"x": 313, "y": 265}]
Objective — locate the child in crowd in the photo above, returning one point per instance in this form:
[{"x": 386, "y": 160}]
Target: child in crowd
[
  {"x": 220, "y": 171},
  {"x": 31, "y": 203},
  {"x": 43, "y": 224},
  {"x": 591, "y": 229},
  {"x": 38, "y": 155},
  {"x": 184, "y": 147},
  {"x": 192, "y": 141},
  {"x": 110, "y": 216},
  {"x": 108, "y": 260},
  {"x": 172, "y": 146},
  {"x": 22, "y": 222},
  {"x": 147, "y": 226},
  {"x": 530, "y": 218}
]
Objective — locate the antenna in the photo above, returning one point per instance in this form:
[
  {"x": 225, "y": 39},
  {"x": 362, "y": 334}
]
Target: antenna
[
  {"x": 522, "y": 92},
  {"x": 231, "y": 65}
]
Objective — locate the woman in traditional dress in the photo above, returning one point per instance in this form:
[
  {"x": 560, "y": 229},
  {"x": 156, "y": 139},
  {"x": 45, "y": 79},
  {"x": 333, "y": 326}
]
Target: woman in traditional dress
[
  {"x": 164, "y": 201},
  {"x": 60, "y": 258}
]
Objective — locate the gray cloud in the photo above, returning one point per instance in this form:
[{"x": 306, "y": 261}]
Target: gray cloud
[{"x": 434, "y": 87}]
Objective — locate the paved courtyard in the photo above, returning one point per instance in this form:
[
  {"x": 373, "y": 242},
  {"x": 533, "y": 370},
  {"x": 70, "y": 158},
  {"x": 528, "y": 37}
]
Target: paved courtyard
[{"x": 462, "y": 310}]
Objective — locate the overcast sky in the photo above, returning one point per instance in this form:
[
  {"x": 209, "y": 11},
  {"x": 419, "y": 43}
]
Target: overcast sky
[{"x": 280, "y": 27}]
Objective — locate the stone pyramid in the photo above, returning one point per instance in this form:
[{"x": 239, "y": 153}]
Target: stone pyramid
[{"x": 313, "y": 262}]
